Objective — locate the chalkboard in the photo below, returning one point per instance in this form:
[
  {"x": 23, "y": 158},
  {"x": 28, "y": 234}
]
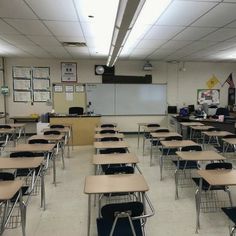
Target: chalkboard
[{"x": 127, "y": 99}]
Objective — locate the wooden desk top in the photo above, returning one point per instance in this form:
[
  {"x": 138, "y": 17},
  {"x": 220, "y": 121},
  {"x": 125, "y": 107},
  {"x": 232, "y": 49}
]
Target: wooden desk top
[
  {"x": 117, "y": 158},
  {"x": 115, "y": 135},
  {"x": 63, "y": 130},
  {"x": 178, "y": 143},
  {"x": 20, "y": 163},
  {"x": 31, "y": 147},
  {"x": 230, "y": 140},
  {"x": 216, "y": 133},
  {"x": 111, "y": 144},
  {"x": 9, "y": 188},
  {"x": 219, "y": 177},
  {"x": 17, "y": 125},
  {"x": 164, "y": 134},
  {"x": 201, "y": 127},
  {"x": 152, "y": 129},
  {"x": 191, "y": 123},
  {"x": 200, "y": 156},
  {"x": 146, "y": 123},
  {"x": 98, "y": 129},
  {"x": 7, "y": 131},
  {"x": 115, "y": 183},
  {"x": 51, "y": 137}
]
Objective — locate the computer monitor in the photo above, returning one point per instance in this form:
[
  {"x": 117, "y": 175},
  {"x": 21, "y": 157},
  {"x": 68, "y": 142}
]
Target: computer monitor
[{"x": 191, "y": 108}]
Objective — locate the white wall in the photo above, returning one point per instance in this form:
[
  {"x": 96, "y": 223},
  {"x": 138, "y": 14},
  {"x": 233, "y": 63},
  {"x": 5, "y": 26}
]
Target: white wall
[{"x": 181, "y": 86}]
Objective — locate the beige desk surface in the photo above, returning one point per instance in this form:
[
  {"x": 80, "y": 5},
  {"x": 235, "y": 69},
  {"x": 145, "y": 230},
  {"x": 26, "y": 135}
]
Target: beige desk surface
[
  {"x": 116, "y": 135},
  {"x": 178, "y": 143},
  {"x": 17, "y": 125},
  {"x": 119, "y": 158},
  {"x": 7, "y": 131},
  {"x": 146, "y": 123},
  {"x": 191, "y": 123},
  {"x": 201, "y": 127},
  {"x": 164, "y": 134},
  {"x": 51, "y": 137},
  {"x": 112, "y": 144},
  {"x": 96, "y": 184},
  {"x": 31, "y": 147},
  {"x": 63, "y": 130},
  {"x": 152, "y": 129},
  {"x": 200, "y": 156},
  {"x": 20, "y": 163},
  {"x": 219, "y": 177},
  {"x": 216, "y": 133},
  {"x": 9, "y": 188},
  {"x": 230, "y": 140},
  {"x": 98, "y": 129}
]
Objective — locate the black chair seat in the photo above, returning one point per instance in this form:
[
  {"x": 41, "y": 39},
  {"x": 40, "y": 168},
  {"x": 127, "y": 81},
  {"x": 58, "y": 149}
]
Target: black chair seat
[
  {"x": 206, "y": 185},
  {"x": 167, "y": 151},
  {"x": 230, "y": 212},
  {"x": 24, "y": 190},
  {"x": 187, "y": 165},
  {"x": 220, "y": 149}
]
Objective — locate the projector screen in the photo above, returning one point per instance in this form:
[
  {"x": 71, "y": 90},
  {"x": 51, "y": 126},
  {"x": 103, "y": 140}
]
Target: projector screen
[{"x": 127, "y": 99}]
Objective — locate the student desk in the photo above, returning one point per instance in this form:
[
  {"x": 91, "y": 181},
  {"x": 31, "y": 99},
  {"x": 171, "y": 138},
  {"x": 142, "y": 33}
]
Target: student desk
[
  {"x": 27, "y": 163},
  {"x": 214, "y": 134},
  {"x": 19, "y": 128},
  {"x": 178, "y": 144},
  {"x": 158, "y": 136},
  {"x": 110, "y": 144},
  {"x": 116, "y": 158},
  {"x": 198, "y": 128},
  {"x": 214, "y": 178},
  {"x": 107, "y": 123},
  {"x": 45, "y": 148},
  {"x": 230, "y": 141},
  {"x": 195, "y": 156},
  {"x": 101, "y": 184},
  {"x": 115, "y": 135},
  {"x": 7, "y": 191},
  {"x": 99, "y": 129},
  {"x": 185, "y": 126}
]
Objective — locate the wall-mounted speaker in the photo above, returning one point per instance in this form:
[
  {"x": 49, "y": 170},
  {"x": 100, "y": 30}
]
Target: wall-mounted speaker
[{"x": 104, "y": 70}]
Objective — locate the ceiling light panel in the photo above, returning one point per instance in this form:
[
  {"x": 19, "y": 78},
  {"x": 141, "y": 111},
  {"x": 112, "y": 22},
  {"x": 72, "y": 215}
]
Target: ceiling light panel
[
  {"x": 31, "y": 27},
  {"x": 221, "y": 15},
  {"x": 50, "y": 10},
  {"x": 16, "y": 9},
  {"x": 184, "y": 13}
]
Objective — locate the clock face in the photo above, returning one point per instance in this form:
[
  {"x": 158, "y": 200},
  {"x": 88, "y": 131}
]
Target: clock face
[{"x": 100, "y": 70}]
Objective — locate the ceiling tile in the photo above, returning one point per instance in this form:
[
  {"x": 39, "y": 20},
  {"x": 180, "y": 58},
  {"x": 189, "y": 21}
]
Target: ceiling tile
[
  {"x": 163, "y": 32},
  {"x": 44, "y": 40},
  {"x": 184, "y": 13},
  {"x": 31, "y": 27},
  {"x": 175, "y": 44},
  {"x": 50, "y": 10},
  {"x": 220, "y": 35},
  {"x": 219, "y": 16},
  {"x": 194, "y": 33},
  {"x": 16, "y": 9},
  {"x": 148, "y": 43},
  {"x": 67, "y": 29},
  {"x": 17, "y": 39},
  {"x": 6, "y": 29}
]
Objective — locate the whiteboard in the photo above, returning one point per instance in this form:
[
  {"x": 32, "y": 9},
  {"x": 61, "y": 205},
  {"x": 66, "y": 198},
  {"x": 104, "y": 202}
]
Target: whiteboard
[{"x": 127, "y": 99}]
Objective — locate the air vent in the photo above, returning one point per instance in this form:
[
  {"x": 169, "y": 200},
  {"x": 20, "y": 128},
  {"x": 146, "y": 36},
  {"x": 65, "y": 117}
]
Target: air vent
[{"x": 74, "y": 44}]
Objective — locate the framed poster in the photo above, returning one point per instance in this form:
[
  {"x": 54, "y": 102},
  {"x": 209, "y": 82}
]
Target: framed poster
[
  {"x": 68, "y": 71},
  {"x": 69, "y": 88},
  {"x": 209, "y": 96}
]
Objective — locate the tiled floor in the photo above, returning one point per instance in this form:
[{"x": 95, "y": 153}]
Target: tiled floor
[{"x": 66, "y": 213}]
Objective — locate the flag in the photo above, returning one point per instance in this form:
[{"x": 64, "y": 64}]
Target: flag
[
  {"x": 212, "y": 82},
  {"x": 230, "y": 81}
]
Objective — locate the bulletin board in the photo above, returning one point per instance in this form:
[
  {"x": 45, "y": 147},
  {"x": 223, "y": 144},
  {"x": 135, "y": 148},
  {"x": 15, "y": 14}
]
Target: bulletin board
[
  {"x": 65, "y": 97},
  {"x": 208, "y": 96}
]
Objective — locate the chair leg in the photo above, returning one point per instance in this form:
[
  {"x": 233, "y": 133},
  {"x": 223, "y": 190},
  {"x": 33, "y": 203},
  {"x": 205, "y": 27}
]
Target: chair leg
[
  {"x": 233, "y": 230},
  {"x": 230, "y": 197},
  {"x": 176, "y": 185}
]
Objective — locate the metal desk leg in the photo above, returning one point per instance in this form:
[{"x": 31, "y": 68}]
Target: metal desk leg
[
  {"x": 151, "y": 151},
  {"x": 23, "y": 213},
  {"x": 54, "y": 170},
  {"x": 138, "y": 134},
  {"x": 161, "y": 165},
  {"x": 4, "y": 218},
  {"x": 198, "y": 205},
  {"x": 89, "y": 214},
  {"x": 176, "y": 180},
  {"x": 43, "y": 197}
]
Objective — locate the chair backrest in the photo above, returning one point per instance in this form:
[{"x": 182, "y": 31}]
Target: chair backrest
[
  {"x": 214, "y": 129},
  {"x": 39, "y": 141},
  {"x": 219, "y": 165},
  {"x": 22, "y": 154},
  {"x": 230, "y": 136},
  {"x": 57, "y": 126},
  {"x": 191, "y": 148},
  {"x": 161, "y": 131},
  {"x": 222, "y": 111},
  {"x": 172, "y": 138},
  {"x": 5, "y": 127},
  {"x": 107, "y": 131},
  {"x": 153, "y": 125},
  {"x": 110, "y": 211},
  {"x": 52, "y": 132},
  {"x": 107, "y": 139},
  {"x": 113, "y": 150},
  {"x": 107, "y": 126},
  {"x": 4, "y": 176},
  {"x": 76, "y": 110},
  {"x": 113, "y": 170}
]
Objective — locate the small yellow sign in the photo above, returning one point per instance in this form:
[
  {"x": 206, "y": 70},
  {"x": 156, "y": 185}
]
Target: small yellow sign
[{"x": 212, "y": 82}]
